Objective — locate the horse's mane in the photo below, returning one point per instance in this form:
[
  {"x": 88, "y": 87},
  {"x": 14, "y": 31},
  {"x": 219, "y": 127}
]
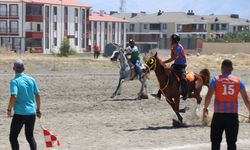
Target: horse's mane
[{"x": 166, "y": 68}]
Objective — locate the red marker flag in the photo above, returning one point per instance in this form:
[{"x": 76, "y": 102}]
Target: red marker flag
[{"x": 50, "y": 139}]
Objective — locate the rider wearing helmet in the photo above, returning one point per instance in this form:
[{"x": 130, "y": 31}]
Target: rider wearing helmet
[
  {"x": 178, "y": 55},
  {"x": 135, "y": 56}
]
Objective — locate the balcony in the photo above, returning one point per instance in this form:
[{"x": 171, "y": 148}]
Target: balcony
[
  {"x": 13, "y": 16},
  {"x": 9, "y": 32},
  {"x": 192, "y": 30},
  {"x": 33, "y": 18},
  {"x": 3, "y": 15},
  {"x": 34, "y": 34},
  {"x": 34, "y": 13}
]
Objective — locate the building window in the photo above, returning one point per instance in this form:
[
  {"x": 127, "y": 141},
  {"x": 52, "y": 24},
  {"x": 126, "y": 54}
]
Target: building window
[
  {"x": 83, "y": 27},
  {"x": 3, "y": 26},
  {"x": 13, "y": 10},
  {"x": 76, "y": 26},
  {"x": 47, "y": 20},
  {"x": 47, "y": 43},
  {"x": 47, "y": 11},
  {"x": 13, "y": 26},
  {"x": 66, "y": 26},
  {"x": 155, "y": 26},
  {"x": 39, "y": 27},
  {"x": 212, "y": 26},
  {"x": 34, "y": 10},
  {"x": 55, "y": 11},
  {"x": 76, "y": 41},
  {"x": 55, "y": 26},
  {"x": 223, "y": 26},
  {"x": 145, "y": 26},
  {"x": 3, "y": 10},
  {"x": 217, "y": 27},
  {"x": 55, "y": 41},
  {"x": 66, "y": 11},
  {"x": 193, "y": 27},
  {"x": 16, "y": 44},
  {"x": 164, "y": 26},
  {"x": 201, "y": 27},
  {"x": 179, "y": 27},
  {"x": 76, "y": 12},
  {"x": 132, "y": 27}
]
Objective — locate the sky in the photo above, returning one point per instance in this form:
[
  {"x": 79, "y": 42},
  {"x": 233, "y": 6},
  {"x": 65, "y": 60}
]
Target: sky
[{"x": 200, "y": 7}]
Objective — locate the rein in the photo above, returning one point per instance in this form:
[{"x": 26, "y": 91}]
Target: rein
[{"x": 153, "y": 67}]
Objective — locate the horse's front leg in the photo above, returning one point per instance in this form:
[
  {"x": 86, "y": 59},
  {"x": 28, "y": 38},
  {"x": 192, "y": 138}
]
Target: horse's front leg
[
  {"x": 118, "y": 87},
  {"x": 175, "y": 108}
]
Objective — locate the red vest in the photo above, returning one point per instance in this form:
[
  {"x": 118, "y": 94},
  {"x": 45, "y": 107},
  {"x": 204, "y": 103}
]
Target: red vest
[{"x": 226, "y": 94}]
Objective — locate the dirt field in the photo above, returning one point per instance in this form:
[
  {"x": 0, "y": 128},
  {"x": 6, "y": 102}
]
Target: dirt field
[{"x": 76, "y": 106}]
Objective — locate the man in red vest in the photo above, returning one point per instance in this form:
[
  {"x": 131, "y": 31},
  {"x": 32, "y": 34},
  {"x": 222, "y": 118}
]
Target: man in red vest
[
  {"x": 226, "y": 88},
  {"x": 96, "y": 51}
]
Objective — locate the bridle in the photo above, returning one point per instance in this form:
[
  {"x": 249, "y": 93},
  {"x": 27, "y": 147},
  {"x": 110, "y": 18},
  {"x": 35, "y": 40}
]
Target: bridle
[{"x": 153, "y": 67}]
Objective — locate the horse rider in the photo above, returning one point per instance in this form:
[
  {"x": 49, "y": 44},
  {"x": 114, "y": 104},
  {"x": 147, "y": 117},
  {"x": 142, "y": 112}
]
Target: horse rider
[
  {"x": 135, "y": 56},
  {"x": 178, "y": 55}
]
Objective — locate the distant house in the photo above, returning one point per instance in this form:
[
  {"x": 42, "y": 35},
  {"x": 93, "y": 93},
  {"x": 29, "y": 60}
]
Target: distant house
[
  {"x": 105, "y": 29},
  {"x": 41, "y": 25},
  {"x": 153, "y": 30},
  {"x": 218, "y": 25}
]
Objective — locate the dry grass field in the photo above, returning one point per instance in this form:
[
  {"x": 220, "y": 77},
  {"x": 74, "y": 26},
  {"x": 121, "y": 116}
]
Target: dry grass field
[{"x": 76, "y": 105}]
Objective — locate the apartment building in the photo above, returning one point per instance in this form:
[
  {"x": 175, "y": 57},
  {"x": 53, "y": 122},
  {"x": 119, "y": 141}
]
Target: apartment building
[
  {"x": 153, "y": 30},
  {"x": 218, "y": 25},
  {"x": 41, "y": 25},
  {"x": 106, "y": 29}
]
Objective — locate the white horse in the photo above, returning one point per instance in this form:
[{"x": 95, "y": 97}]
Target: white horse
[{"x": 127, "y": 73}]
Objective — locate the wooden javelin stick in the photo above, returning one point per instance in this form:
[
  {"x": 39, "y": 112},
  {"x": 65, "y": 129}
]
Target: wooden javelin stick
[{"x": 243, "y": 115}]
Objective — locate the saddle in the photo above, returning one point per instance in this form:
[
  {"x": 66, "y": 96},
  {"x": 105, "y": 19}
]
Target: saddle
[{"x": 189, "y": 76}]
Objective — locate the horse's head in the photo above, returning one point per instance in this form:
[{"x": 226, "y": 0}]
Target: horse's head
[
  {"x": 116, "y": 55},
  {"x": 150, "y": 63}
]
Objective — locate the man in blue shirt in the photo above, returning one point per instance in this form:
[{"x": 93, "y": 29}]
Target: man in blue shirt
[
  {"x": 178, "y": 55},
  {"x": 26, "y": 102}
]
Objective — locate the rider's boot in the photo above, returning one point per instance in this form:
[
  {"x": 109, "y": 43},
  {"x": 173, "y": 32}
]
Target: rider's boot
[
  {"x": 184, "y": 84},
  {"x": 157, "y": 95}
]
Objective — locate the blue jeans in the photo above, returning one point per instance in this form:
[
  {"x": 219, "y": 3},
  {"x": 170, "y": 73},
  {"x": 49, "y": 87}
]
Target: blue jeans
[{"x": 138, "y": 65}]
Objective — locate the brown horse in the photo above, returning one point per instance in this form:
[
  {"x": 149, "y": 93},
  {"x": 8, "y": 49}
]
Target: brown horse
[{"x": 170, "y": 84}]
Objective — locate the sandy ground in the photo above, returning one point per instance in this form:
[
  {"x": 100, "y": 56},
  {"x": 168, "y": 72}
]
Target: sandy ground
[{"x": 76, "y": 106}]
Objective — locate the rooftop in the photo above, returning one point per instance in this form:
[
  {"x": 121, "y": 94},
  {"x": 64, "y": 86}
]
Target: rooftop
[
  {"x": 104, "y": 17},
  {"x": 226, "y": 19},
  {"x": 54, "y": 2}
]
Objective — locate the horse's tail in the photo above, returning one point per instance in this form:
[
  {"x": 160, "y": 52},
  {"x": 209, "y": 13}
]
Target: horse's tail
[{"x": 205, "y": 75}]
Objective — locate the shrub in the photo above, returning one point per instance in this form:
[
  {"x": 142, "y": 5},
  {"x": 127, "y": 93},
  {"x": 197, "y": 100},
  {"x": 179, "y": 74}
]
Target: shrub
[{"x": 65, "y": 48}]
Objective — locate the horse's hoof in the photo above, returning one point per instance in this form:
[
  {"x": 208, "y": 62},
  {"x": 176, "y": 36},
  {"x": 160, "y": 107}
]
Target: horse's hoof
[
  {"x": 112, "y": 96},
  {"x": 178, "y": 124},
  {"x": 144, "y": 96},
  {"x": 139, "y": 98}
]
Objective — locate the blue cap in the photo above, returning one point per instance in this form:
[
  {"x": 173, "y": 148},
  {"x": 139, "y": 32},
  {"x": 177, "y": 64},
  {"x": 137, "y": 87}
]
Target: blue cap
[{"x": 18, "y": 64}]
